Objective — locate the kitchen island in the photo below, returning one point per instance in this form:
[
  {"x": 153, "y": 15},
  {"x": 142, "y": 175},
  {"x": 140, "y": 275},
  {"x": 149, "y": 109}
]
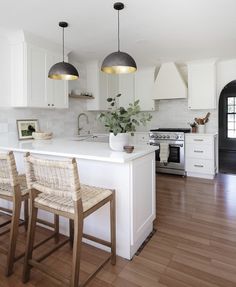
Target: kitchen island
[{"x": 131, "y": 175}]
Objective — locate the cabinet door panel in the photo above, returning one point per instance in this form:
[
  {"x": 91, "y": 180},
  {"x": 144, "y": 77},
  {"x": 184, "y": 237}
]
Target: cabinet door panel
[
  {"x": 49, "y": 82},
  {"x": 103, "y": 91},
  {"x": 60, "y": 90},
  {"x": 144, "y": 89},
  {"x": 36, "y": 83},
  {"x": 202, "y": 85},
  {"x": 126, "y": 88}
]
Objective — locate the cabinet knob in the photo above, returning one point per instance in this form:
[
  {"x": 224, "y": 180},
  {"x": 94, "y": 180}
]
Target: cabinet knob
[
  {"x": 53, "y": 105},
  {"x": 48, "y": 105}
]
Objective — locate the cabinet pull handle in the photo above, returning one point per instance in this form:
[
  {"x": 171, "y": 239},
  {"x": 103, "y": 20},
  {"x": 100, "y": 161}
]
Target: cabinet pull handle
[
  {"x": 199, "y": 165},
  {"x": 198, "y": 140},
  {"x": 198, "y": 151}
]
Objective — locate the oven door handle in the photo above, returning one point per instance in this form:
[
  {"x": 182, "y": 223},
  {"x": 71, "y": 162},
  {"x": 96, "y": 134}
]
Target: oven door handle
[{"x": 176, "y": 145}]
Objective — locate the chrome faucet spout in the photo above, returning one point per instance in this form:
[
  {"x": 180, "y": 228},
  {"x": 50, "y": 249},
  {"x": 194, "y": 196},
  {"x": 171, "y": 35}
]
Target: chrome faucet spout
[{"x": 87, "y": 121}]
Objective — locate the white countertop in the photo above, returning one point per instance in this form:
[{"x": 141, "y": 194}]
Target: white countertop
[{"x": 69, "y": 147}]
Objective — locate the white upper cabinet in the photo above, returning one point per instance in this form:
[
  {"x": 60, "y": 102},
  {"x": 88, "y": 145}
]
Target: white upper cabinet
[
  {"x": 134, "y": 86},
  {"x": 126, "y": 88},
  {"x": 101, "y": 86},
  {"x": 144, "y": 88},
  {"x": 169, "y": 83},
  {"x": 202, "y": 85},
  {"x": 30, "y": 86}
]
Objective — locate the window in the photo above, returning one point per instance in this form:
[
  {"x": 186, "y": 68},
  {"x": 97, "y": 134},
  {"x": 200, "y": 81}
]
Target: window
[{"x": 231, "y": 117}]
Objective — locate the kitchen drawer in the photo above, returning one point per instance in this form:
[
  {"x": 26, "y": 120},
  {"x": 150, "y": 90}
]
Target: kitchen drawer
[
  {"x": 200, "y": 165},
  {"x": 201, "y": 151},
  {"x": 199, "y": 139}
]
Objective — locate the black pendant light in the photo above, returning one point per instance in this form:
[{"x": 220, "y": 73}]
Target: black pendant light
[
  {"x": 118, "y": 62},
  {"x": 63, "y": 70}
]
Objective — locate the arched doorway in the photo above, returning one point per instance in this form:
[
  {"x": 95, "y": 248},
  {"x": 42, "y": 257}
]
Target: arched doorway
[{"x": 227, "y": 129}]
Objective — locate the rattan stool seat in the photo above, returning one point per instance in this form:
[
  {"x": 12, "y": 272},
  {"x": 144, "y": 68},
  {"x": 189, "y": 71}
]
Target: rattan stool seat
[{"x": 90, "y": 197}]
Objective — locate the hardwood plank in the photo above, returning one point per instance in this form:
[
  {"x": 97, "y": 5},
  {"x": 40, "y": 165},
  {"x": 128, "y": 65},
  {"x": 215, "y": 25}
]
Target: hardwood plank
[{"x": 194, "y": 246}]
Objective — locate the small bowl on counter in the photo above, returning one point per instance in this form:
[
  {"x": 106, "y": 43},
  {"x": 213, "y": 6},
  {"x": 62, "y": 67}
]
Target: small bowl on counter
[
  {"x": 128, "y": 148},
  {"x": 42, "y": 135}
]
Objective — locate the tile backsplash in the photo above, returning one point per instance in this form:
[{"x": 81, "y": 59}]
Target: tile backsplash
[
  {"x": 170, "y": 113},
  {"x": 175, "y": 114},
  {"x": 62, "y": 122}
]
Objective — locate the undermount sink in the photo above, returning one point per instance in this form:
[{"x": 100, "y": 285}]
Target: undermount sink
[{"x": 92, "y": 138}]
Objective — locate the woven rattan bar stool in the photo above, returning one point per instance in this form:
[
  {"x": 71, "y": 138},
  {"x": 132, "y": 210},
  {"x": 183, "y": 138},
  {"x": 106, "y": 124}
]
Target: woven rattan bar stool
[
  {"x": 13, "y": 188},
  {"x": 55, "y": 187}
]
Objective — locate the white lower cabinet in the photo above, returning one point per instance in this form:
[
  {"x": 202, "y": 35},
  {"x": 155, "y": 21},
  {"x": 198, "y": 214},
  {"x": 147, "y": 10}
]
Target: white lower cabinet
[
  {"x": 200, "y": 155},
  {"x": 31, "y": 86}
]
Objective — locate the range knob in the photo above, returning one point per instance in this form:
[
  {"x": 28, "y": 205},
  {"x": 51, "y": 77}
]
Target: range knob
[
  {"x": 164, "y": 137},
  {"x": 167, "y": 136},
  {"x": 160, "y": 137},
  {"x": 176, "y": 136}
]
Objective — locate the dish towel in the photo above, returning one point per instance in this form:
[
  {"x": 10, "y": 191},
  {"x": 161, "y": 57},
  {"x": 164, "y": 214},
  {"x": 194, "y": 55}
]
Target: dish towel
[{"x": 164, "y": 152}]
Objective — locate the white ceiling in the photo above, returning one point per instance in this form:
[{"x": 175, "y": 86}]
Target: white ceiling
[{"x": 151, "y": 30}]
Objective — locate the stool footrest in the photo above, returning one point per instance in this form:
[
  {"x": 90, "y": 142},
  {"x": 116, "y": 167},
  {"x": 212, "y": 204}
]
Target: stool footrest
[
  {"x": 6, "y": 210},
  {"x": 5, "y": 223},
  {"x": 46, "y": 254},
  {"x": 98, "y": 240},
  {"x": 44, "y": 222},
  {"x": 90, "y": 277},
  {"x": 44, "y": 240},
  {"x": 48, "y": 271},
  {"x": 4, "y": 251}
]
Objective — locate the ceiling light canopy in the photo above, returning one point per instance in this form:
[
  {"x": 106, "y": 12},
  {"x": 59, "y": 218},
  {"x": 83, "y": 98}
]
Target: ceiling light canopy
[
  {"x": 63, "y": 70},
  {"x": 118, "y": 62}
]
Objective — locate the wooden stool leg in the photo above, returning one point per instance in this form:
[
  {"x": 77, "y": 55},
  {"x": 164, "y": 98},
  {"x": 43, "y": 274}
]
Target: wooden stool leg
[
  {"x": 14, "y": 230},
  {"x": 71, "y": 227},
  {"x": 30, "y": 242},
  {"x": 78, "y": 233},
  {"x": 113, "y": 228},
  {"x": 26, "y": 213},
  {"x": 56, "y": 228}
]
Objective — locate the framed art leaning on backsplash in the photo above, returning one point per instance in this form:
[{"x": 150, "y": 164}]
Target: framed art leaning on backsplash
[{"x": 25, "y": 128}]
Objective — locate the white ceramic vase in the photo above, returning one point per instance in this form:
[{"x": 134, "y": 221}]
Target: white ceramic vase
[
  {"x": 201, "y": 129},
  {"x": 118, "y": 142}
]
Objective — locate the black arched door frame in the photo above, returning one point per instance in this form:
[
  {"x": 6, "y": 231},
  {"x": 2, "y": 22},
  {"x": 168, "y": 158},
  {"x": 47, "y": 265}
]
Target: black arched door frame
[{"x": 226, "y": 143}]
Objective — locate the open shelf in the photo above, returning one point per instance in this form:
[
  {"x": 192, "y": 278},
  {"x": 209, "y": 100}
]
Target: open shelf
[{"x": 81, "y": 97}]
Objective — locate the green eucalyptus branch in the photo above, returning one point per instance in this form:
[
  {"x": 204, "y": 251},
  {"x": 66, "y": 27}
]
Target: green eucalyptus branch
[{"x": 121, "y": 120}]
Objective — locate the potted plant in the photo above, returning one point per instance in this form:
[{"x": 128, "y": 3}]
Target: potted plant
[{"x": 121, "y": 122}]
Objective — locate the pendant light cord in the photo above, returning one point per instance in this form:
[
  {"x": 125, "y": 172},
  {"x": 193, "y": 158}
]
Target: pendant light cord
[
  {"x": 118, "y": 31},
  {"x": 63, "y": 39}
]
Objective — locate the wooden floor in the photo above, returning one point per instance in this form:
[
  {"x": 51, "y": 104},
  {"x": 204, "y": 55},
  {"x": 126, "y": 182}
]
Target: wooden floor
[{"x": 195, "y": 242}]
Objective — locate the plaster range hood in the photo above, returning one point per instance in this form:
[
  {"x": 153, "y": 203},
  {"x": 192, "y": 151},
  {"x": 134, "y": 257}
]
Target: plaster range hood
[{"x": 169, "y": 83}]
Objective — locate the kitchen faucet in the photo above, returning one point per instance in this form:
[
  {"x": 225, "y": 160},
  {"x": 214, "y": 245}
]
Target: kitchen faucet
[{"x": 87, "y": 121}]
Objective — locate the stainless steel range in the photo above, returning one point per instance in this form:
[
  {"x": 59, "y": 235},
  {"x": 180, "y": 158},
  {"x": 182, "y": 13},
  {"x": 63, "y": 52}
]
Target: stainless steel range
[{"x": 174, "y": 139}]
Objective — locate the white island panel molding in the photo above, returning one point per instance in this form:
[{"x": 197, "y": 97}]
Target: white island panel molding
[{"x": 131, "y": 175}]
